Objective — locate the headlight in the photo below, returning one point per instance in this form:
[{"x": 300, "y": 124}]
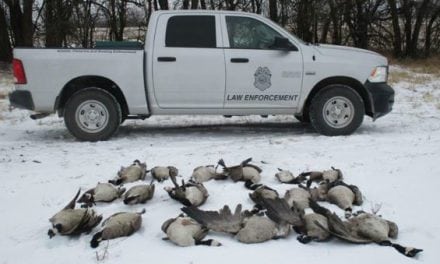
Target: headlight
[{"x": 379, "y": 74}]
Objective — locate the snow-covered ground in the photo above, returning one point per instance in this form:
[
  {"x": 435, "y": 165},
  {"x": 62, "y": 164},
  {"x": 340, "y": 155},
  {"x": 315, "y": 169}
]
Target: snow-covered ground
[{"x": 395, "y": 162}]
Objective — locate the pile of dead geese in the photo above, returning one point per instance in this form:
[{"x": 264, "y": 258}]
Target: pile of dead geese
[{"x": 272, "y": 217}]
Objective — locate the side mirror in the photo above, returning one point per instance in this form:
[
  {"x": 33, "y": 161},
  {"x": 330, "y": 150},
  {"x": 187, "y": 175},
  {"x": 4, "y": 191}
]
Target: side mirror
[{"x": 281, "y": 43}]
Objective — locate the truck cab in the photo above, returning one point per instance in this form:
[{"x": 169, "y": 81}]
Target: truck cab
[{"x": 207, "y": 62}]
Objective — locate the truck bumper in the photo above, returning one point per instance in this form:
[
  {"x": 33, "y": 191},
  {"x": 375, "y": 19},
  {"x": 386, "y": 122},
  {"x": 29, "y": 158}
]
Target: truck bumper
[
  {"x": 382, "y": 98},
  {"x": 21, "y": 99}
]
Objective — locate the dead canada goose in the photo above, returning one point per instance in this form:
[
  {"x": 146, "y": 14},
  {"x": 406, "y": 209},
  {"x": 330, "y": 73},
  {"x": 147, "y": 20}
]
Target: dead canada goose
[
  {"x": 344, "y": 196},
  {"x": 242, "y": 172},
  {"x": 311, "y": 231},
  {"x": 318, "y": 193},
  {"x": 103, "y": 192},
  {"x": 71, "y": 221},
  {"x": 260, "y": 191},
  {"x": 185, "y": 231},
  {"x": 263, "y": 192},
  {"x": 304, "y": 222},
  {"x": 327, "y": 175},
  {"x": 219, "y": 221},
  {"x": 205, "y": 173},
  {"x": 285, "y": 176},
  {"x": 364, "y": 228},
  {"x": 282, "y": 218},
  {"x": 188, "y": 194},
  {"x": 132, "y": 173},
  {"x": 246, "y": 227},
  {"x": 161, "y": 173},
  {"x": 118, "y": 225},
  {"x": 139, "y": 194},
  {"x": 298, "y": 197},
  {"x": 259, "y": 228}
]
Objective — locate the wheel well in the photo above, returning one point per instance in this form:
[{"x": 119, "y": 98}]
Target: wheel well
[
  {"x": 82, "y": 82},
  {"x": 353, "y": 83}
]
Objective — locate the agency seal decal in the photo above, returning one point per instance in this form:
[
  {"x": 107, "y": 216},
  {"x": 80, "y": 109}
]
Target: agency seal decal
[{"x": 262, "y": 78}]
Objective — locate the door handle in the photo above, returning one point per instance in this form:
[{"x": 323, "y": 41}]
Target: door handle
[
  {"x": 166, "y": 59},
  {"x": 239, "y": 60}
]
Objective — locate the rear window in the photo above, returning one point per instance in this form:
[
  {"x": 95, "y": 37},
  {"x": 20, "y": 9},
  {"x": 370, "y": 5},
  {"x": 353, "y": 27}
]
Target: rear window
[{"x": 191, "y": 32}]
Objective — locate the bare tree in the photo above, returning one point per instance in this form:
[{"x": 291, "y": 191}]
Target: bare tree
[
  {"x": 57, "y": 21},
  {"x": 5, "y": 42},
  {"x": 397, "y": 35},
  {"x": 273, "y": 10},
  {"x": 359, "y": 15},
  {"x": 85, "y": 16},
  {"x": 433, "y": 22},
  {"x": 20, "y": 16},
  {"x": 408, "y": 27},
  {"x": 163, "y": 4}
]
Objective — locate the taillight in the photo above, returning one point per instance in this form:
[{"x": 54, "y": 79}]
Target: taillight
[{"x": 19, "y": 74}]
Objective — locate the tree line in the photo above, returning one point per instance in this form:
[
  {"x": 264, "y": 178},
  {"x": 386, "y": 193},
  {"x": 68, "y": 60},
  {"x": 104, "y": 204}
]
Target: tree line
[{"x": 407, "y": 28}]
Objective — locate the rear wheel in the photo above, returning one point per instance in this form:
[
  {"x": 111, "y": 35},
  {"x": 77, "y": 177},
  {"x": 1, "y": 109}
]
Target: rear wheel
[
  {"x": 336, "y": 110},
  {"x": 92, "y": 114}
]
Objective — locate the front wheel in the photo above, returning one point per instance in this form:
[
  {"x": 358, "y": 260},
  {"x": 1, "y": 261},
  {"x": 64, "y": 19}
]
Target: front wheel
[
  {"x": 92, "y": 114},
  {"x": 336, "y": 110}
]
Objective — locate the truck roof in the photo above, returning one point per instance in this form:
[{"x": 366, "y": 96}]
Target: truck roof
[{"x": 192, "y": 11}]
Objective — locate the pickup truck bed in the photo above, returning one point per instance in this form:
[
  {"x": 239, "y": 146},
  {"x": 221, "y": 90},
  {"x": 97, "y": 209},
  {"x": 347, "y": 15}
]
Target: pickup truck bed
[{"x": 58, "y": 73}]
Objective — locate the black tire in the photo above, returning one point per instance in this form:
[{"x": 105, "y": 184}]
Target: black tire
[
  {"x": 343, "y": 114},
  {"x": 304, "y": 118},
  {"x": 92, "y": 114}
]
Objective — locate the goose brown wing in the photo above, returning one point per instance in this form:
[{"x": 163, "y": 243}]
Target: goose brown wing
[
  {"x": 341, "y": 232},
  {"x": 201, "y": 234},
  {"x": 173, "y": 179},
  {"x": 337, "y": 227},
  {"x": 88, "y": 222},
  {"x": 280, "y": 212},
  {"x": 254, "y": 166},
  {"x": 71, "y": 204},
  {"x": 235, "y": 172},
  {"x": 219, "y": 221},
  {"x": 77, "y": 218},
  {"x": 84, "y": 198},
  {"x": 246, "y": 161}
]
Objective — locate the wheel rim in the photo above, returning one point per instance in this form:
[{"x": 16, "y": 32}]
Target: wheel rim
[
  {"x": 338, "y": 112},
  {"x": 92, "y": 116}
]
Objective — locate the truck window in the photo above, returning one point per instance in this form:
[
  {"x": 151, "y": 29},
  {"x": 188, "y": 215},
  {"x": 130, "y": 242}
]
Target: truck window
[
  {"x": 249, "y": 33},
  {"x": 191, "y": 32}
]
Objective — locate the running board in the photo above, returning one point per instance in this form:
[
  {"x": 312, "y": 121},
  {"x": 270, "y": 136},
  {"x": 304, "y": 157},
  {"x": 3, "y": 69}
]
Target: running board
[{"x": 39, "y": 116}]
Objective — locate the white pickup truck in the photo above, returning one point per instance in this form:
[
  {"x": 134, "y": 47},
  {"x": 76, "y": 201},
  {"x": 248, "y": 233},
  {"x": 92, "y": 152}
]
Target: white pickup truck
[{"x": 204, "y": 62}]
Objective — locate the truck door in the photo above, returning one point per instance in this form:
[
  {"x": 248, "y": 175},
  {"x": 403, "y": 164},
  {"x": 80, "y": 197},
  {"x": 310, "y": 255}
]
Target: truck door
[
  {"x": 188, "y": 68},
  {"x": 258, "y": 75}
]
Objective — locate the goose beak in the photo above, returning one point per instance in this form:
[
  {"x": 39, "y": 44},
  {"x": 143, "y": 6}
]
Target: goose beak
[{"x": 50, "y": 233}]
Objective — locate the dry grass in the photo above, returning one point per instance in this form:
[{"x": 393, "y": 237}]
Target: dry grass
[
  {"x": 424, "y": 66},
  {"x": 428, "y": 97},
  {"x": 409, "y": 76},
  {"x": 398, "y": 76},
  {"x": 6, "y": 85},
  {"x": 6, "y": 80},
  {"x": 415, "y": 71}
]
